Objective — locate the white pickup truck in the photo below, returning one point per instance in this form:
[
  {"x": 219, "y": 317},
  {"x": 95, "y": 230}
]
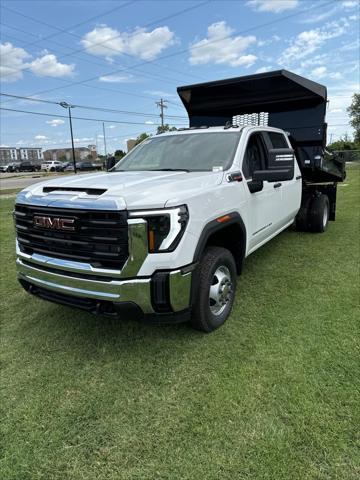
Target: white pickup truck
[{"x": 164, "y": 234}]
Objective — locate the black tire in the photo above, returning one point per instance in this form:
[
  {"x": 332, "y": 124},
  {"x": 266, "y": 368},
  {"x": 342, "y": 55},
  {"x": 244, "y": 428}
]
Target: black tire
[
  {"x": 302, "y": 218},
  {"x": 52, "y": 169},
  {"x": 215, "y": 261},
  {"x": 319, "y": 213}
]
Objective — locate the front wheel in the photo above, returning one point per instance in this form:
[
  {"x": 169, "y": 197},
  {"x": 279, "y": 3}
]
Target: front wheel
[{"x": 215, "y": 289}]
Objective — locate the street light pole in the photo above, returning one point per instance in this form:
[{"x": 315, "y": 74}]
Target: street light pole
[
  {"x": 69, "y": 107},
  {"x": 104, "y": 141}
]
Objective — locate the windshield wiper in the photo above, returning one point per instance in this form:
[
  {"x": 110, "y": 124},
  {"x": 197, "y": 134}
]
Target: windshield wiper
[{"x": 170, "y": 170}]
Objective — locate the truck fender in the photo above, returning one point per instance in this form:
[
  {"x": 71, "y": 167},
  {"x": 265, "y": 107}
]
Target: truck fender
[{"x": 226, "y": 231}]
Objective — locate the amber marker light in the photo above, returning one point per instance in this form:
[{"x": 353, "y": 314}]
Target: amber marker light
[{"x": 223, "y": 219}]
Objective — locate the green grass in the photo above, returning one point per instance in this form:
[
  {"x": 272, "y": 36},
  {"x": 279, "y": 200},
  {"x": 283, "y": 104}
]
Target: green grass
[
  {"x": 9, "y": 191},
  {"x": 274, "y": 394}
]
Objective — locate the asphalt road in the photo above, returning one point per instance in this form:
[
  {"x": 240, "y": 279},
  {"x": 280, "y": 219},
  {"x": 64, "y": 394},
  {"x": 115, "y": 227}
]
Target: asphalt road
[{"x": 22, "y": 180}]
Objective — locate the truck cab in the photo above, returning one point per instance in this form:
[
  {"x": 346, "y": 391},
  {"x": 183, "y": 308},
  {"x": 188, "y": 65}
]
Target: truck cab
[{"x": 165, "y": 233}]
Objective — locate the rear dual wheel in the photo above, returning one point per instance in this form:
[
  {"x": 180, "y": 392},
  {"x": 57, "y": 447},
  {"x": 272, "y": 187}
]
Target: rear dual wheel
[{"x": 314, "y": 214}]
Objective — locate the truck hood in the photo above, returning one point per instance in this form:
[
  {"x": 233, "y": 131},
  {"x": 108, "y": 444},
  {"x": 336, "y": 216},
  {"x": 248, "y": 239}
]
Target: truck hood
[{"x": 131, "y": 190}]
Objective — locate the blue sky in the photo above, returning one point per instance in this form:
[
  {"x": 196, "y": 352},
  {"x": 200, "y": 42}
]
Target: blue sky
[{"x": 125, "y": 55}]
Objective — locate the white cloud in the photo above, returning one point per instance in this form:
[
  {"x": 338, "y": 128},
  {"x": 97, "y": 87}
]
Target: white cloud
[
  {"x": 149, "y": 122},
  {"x": 55, "y": 122},
  {"x": 109, "y": 42},
  {"x": 263, "y": 69},
  {"x": 84, "y": 139},
  {"x": 12, "y": 63},
  {"x": 111, "y": 126},
  {"x": 350, "y": 3},
  {"x": 336, "y": 110},
  {"x": 160, "y": 93},
  {"x": 309, "y": 41},
  {"x": 49, "y": 66},
  {"x": 41, "y": 137},
  {"x": 269, "y": 41},
  {"x": 220, "y": 48},
  {"x": 319, "y": 72},
  {"x": 116, "y": 78},
  {"x": 275, "y": 6},
  {"x": 319, "y": 17}
]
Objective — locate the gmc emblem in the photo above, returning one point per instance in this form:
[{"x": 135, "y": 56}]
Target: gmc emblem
[{"x": 54, "y": 223}]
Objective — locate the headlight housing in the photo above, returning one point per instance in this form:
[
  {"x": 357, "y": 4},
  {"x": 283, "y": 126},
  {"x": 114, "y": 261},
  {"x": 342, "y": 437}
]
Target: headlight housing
[{"x": 165, "y": 227}]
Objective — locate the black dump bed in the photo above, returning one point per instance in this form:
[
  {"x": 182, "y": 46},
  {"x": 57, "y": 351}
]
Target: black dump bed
[{"x": 279, "y": 99}]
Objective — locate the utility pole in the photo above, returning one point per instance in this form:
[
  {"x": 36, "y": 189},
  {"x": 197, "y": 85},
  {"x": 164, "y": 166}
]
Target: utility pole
[
  {"x": 69, "y": 107},
  {"x": 104, "y": 140},
  {"x": 162, "y": 105}
]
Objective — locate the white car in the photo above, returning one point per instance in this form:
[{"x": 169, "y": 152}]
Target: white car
[
  {"x": 52, "y": 166},
  {"x": 164, "y": 234}
]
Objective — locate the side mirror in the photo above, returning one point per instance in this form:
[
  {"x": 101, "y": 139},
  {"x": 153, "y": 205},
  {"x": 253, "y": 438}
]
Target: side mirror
[
  {"x": 275, "y": 175},
  {"x": 281, "y": 158}
]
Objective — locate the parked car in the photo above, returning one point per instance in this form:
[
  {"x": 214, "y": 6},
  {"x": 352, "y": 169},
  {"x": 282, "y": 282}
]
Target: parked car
[
  {"x": 86, "y": 166},
  {"x": 52, "y": 166},
  {"x": 27, "y": 167},
  {"x": 10, "y": 167},
  {"x": 165, "y": 234},
  {"x": 69, "y": 167}
]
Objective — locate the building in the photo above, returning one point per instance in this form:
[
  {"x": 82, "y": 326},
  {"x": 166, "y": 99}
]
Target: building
[
  {"x": 13, "y": 154},
  {"x": 130, "y": 144},
  {"x": 66, "y": 154}
]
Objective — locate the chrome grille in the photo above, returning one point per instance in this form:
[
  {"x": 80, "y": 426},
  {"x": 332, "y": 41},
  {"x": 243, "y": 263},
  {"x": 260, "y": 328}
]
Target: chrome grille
[{"x": 100, "y": 237}]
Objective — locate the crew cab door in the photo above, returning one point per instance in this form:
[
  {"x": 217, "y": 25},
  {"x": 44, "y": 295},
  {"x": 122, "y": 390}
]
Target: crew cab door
[
  {"x": 264, "y": 198},
  {"x": 290, "y": 189}
]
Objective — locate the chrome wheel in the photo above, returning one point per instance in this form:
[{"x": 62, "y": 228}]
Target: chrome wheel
[
  {"x": 220, "y": 290},
  {"x": 325, "y": 216}
]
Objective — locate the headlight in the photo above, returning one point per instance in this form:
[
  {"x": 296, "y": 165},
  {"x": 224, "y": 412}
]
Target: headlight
[{"x": 165, "y": 227}]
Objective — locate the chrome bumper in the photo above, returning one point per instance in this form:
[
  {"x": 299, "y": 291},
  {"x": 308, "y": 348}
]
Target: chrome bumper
[{"x": 137, "y": 291}]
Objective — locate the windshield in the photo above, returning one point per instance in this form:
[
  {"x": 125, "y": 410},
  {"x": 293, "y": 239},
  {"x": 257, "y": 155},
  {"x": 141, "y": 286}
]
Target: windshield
[{"x": 190, "y": 152}]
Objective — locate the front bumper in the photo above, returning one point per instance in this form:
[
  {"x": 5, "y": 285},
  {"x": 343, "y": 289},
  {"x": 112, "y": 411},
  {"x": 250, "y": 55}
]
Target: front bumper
[{"x": 163, "y": 293}]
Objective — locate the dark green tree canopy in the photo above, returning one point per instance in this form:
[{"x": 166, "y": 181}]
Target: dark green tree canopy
[
  {"x": 165, "y": 128},
  {"x": 119, "y": 154}
]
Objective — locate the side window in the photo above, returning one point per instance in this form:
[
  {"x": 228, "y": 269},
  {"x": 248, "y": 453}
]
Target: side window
[
  {"x": 278, "y": 140},
  {"x": 254, "y": 158}
]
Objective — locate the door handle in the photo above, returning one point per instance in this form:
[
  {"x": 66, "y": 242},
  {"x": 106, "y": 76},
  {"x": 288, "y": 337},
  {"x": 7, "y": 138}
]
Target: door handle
[
  {"x": 298, "y": 177},
  {"x": 277, "y": 185}
]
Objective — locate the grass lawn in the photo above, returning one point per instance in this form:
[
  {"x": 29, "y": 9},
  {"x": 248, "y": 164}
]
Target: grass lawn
[{"x": 274, "y": 394}]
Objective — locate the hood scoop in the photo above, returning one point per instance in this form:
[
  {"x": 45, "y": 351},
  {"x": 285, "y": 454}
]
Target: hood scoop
[{"x": 87, "y": 191}]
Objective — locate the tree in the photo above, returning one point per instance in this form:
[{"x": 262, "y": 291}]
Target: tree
[
  {"x": 165, "y": 128},
  {"x": 119, "y": 154},
  {"x": 354, "y": 113},
  {"x": 143, "y": 136}
]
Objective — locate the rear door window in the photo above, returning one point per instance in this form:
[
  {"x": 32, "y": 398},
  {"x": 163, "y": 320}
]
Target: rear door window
[{"x": 277, "y": 140}]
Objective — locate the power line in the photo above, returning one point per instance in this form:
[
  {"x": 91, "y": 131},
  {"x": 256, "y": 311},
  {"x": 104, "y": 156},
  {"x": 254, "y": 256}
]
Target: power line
[
  {"x": 90, "y": 19},
  {"x": 79, "y": 118},
  {"x": 115, "y": 121},
  {"x": 111, "y": 38},
  {"x": 179, "y": 52},
  {"x": 87, "y": 107},
  {"x": 162, "y": 78}
]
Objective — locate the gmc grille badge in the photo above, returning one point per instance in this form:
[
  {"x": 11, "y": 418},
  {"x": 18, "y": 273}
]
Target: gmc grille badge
[{"x": 54, "y": 223}]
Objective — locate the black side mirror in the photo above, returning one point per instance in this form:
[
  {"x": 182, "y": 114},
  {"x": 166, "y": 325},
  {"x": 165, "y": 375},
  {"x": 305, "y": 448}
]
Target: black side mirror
[
  {"x": 281, "y": 158},
  {"x": 275, "y": 175}
]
